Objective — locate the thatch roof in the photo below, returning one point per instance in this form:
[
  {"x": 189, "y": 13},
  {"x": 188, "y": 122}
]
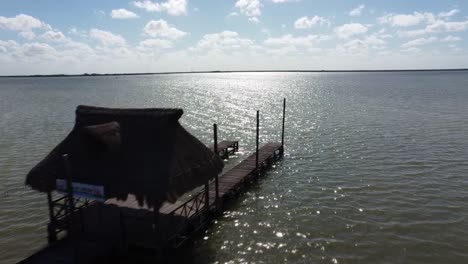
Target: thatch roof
[{"x": 145, "y": 152}]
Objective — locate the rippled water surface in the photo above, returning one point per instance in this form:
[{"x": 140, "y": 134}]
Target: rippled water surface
[{"x": 376, "y": 166}]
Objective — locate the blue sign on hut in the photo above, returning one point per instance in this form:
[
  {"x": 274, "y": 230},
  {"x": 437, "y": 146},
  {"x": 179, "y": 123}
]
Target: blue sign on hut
[{"x": 133, "y": 160}]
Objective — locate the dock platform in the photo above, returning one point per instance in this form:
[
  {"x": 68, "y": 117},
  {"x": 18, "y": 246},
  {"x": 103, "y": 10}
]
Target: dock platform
[
  {"x": 125, "y": 222},
  {"x": 226, "y": 148}
]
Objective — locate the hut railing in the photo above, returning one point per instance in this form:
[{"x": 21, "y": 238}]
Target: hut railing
[
  {"x": 193, "y": 208},
  {"x": 61, "y": 215}
]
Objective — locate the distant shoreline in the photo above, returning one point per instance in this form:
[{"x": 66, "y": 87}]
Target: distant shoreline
[{"x": 195, "y": 72}]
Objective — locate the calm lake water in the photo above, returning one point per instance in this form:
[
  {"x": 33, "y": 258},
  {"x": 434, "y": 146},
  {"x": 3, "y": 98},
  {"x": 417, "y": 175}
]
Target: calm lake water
[{"x": 376, "y": 165}]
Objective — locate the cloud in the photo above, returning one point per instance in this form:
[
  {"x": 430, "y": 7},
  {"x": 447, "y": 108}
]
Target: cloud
[
  {"x": 123, "y": 14},
  {"x": 172, "y": 7},
  {"x": 357, "y": 11},
  {"x": 249, "y": 7},
  {"x": 406, "y": 20},
  {"x": 37, "y": 49},
  {"x": 106, "y": 38},
  {"x": 348, "y": 30},
  {"x": 449, "y": 13},
  {"x": 77, "y": 32},
  {"x": 411, "y": 33},
  {"x": 419, "y": 42},
  {"x": 444, "y": 26},
  {"x": 284, "y": 1},
  {"x": 362, "y": 46},
  {"x": 22, "y": 22},
  {"x": 161, "y": 28},
  {"x": 155, "y": 44},
  {"x": 306, "y": 22},
  {"x": 54, "y": 36},
  {"x": 232, "y": 14},
  {"x": 254, "y": 20},
  {"x": 27, "y": 34},
  {"x": 290, "y": 40},
  {"x": 222, "y": 41},
  {"x": 450, "y": 39}
]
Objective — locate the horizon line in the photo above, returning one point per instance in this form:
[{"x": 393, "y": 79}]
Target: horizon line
[{"x": 228, "y": 71}]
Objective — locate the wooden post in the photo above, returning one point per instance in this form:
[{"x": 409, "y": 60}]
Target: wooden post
[
  {"x": 156, "y": 221},
  {"x": 215, "y": 131},
  {"x": 207, "y": 196},
  {"x": 52, "y": 236},
  {"x": 256, "y": 142},
  {"x": 282, "y": 130},
  {"x": 70, "y": 202}
]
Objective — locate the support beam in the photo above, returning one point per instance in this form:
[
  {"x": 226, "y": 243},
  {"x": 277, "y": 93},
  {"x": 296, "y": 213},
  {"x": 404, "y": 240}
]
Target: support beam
[
  {"x": 284, "y": 119},
  {"x": 257, "y": 143},
  {"x": 215, "y": 131},
  {"x": 70, "y": 200},
  {"x": 207, "y": 196},
  {"x": 51, "y": 236}
]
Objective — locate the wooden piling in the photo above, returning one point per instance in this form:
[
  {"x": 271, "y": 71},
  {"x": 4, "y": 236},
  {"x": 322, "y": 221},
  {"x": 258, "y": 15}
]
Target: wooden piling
[
  {"x": 69, "y": 183},
  {"x": 52, "y": 236},
  {"x": 215, "y": 144},
  {"x": 257, "y": 142},
  {"x": 284, "y": 119}
]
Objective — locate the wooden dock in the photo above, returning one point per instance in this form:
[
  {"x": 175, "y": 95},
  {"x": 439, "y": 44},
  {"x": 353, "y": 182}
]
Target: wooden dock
[
  {"x": 125, "y": 222},
  {"x": 106, "y": 232}
]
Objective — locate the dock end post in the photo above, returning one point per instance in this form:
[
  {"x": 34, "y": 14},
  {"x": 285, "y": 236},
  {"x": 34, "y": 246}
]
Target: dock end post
[
  {"x": 282, "y": 129},
  {"x": 257, "y": 142},
  {"x": 215, "y": 148}
]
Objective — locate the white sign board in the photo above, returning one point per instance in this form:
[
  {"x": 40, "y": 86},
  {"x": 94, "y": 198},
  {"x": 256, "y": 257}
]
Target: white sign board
[{"x": 82, "y": 190}]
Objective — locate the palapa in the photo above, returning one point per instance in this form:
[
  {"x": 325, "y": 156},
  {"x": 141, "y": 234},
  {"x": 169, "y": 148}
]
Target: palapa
[{"x": 145, "y": 152}]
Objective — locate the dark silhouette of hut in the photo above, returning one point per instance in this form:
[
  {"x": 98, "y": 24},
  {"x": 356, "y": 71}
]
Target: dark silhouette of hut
[{"x": 142, "y": 152}]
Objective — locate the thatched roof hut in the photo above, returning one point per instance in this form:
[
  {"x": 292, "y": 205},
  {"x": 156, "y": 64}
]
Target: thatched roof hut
[{"x": 145, "y": 152}]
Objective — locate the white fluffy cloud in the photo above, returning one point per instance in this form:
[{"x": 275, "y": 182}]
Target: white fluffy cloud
[
  {"x": 362, "y": 46},
  {"x": 348, "y": 30},
  {"x": 437, "y": 26},
  {"x": 160, "y": 28},
  {"x": 450, "y": 39},
  {"x": 284, "y": 1},
  {"x": 419, "y": 42},
  {"x": 37, "y": 49},
  {"x": 172, "y": 7},
  {"x": 306, "y": 22},
  {"x": 448, "y": 13},
  {"x": 357, "y": 11},
  {"x": 106, "y": 38},
  {"x": 222, "y": 41},
  {"x": 444, "y": 26},
  {"x": 249, "y": 7},
  {"x": 155, "y": 44},
  {"x": 54, "y": 36},
  {"x": 27, "y": 34},
  {"x": 406, "y": 20},
  {"x": 290, "y": 40},
  {"x": 123, "y": 14},
  {"x": 254, "y": 20},
  {"x": 22, "y": 22}
]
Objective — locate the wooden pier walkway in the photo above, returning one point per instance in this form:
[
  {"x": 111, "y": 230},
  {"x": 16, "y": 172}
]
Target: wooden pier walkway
[
  {"x": 226, "y": 148},
  {"x": 230, "y": 181}
]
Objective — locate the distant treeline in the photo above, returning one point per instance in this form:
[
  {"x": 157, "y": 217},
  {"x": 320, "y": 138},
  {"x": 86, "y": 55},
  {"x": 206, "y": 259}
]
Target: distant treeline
[{"x": 260, "y": 71}]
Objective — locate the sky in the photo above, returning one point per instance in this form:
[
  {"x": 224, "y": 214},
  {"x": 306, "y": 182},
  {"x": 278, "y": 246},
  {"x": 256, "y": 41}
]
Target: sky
[{"x": 122, "y": 36}]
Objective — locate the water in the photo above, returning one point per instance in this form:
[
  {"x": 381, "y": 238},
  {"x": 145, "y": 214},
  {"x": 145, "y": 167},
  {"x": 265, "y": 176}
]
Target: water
[{"x": 375, "y": 168}]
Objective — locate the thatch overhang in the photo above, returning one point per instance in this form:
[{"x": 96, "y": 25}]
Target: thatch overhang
[{"x": 145, "y": 152}]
